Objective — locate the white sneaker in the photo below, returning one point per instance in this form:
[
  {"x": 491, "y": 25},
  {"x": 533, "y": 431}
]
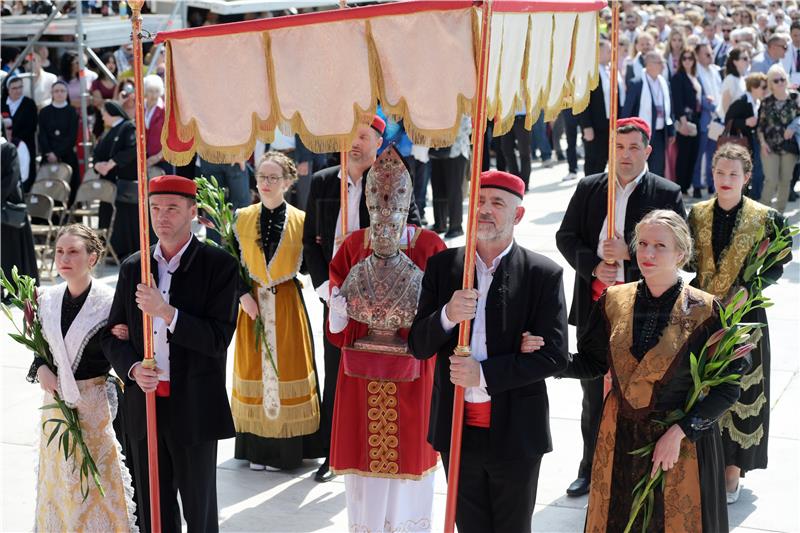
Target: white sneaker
[
  {"x": 733, "y": 497},
  {"x": 271, "y": 468},
  {"x": 547, "y": 163},
  {"x": 571, "y": 176},
  {"x": 255, "y": 466}
]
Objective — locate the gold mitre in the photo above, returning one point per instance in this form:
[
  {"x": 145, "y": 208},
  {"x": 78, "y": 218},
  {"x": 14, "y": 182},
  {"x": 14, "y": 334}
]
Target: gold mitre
[{"x": 388, "y": 189}]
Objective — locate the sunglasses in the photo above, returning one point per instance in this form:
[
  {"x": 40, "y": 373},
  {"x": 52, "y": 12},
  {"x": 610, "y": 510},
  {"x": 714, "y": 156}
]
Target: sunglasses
[
  {"x": 764, "y": 87},
  {"x": 687, "y": 58},
  {"x": 779, "y": 80}
]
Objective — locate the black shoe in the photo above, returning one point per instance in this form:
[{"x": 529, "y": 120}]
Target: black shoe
[
  {"x": 793, "y": 196},
  {"x": 423, "y": 223},
  {"x": 579, "y": 487},
  {"x": 453, "y": 233},
  {"x": 698, "y": 193},
  {"x": 324, "y": 473},
  {"x": 437, "y": 229}
]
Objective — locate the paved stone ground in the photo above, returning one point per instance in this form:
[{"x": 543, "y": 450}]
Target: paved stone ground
[{"x": 292, "y": 501}]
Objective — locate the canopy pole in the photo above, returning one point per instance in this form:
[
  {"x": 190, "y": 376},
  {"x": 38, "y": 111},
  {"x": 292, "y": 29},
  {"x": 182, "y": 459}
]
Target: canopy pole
[
  {"x": 144, "y": 246},
  {"x": 612, "y": 140},
  {"x": 343, "y": 172},
  {"x": 463, "y": 348}
]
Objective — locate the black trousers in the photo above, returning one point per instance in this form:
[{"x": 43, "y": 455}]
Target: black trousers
[
  {"x": 447, "y": 180},
  {"x": 190, "y": 470},
  {"x": 331, "y": 355},
  {"x": 596, "y": 154},
  {"x": 591, "y": 411},
  {"x": 520, "y": 137},
  {"x": 657, "y": 161},
  {"x": 688, "y": 148},
  {"x": 493, "y": 496}
]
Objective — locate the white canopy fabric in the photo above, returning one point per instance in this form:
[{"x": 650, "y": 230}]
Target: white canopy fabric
[{"x": 320, "y": 75}]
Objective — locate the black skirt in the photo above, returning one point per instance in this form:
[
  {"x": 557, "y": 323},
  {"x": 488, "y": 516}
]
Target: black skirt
[{"x": 18, "y": 251}]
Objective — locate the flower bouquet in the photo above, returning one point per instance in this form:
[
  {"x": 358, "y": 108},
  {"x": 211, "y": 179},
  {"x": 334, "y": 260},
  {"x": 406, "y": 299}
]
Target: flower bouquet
[
  {"x": 211, "y": 199},
  {"x": 24, "y": 296},
  {"x": 733, "y": 341}
]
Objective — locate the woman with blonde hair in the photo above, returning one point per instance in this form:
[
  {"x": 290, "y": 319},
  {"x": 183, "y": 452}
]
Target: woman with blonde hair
[
  {"x": 73, "y": 315},
  {"x": 644, "y": 332},
  {"x": 275, "y": 401},
  {"x": 672, "y": 52}
]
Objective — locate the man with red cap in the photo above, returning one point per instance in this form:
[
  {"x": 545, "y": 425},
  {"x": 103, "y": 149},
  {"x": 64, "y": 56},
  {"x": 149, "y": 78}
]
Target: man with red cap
[
  {"x": 517, "y": 293},
  {"x": 599, "y": 261},
  {"x": 192, "y": 300},
  {"x": 322, "y": 237}
]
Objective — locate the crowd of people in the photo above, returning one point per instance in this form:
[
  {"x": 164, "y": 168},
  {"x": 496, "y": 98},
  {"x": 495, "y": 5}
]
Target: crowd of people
[{"x": 697, "y": 114}]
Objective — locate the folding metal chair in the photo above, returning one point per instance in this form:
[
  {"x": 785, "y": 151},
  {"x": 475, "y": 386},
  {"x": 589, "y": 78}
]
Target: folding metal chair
[
  {"x": 55, "y": 171},
  {"x": 87, "y": 205},
  {"x": 58, "y": 191},
  {"x": 40, "y": 209}
]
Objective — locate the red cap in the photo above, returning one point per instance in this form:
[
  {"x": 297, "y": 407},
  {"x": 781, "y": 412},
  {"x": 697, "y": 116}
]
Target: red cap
[
  {"x": 496, "y": 179},
  {"x": 636, "y": 122},
  {"x": 378, "y": 124},
  {"x": 170, "y": 184}
]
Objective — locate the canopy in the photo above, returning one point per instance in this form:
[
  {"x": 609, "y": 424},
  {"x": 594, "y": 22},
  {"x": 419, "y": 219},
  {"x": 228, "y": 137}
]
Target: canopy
[{"x": 318, "y": 74}]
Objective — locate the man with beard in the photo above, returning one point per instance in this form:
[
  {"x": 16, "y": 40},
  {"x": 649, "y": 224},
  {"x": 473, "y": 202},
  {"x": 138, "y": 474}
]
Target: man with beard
[
  {"x": 518, "y": 293},
  {"x": 322, "y": 236}
]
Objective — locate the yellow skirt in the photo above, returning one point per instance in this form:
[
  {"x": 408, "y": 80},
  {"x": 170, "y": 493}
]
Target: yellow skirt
[
  {"x": 263, "y": 403},
  {"x": 59, "y": 504}
]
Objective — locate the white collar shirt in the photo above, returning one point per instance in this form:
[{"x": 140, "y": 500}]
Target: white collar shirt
[
  {"x": 354, "y": 191},
  {"x": 623, "y": 194},
  {"x": 13, "y": 105},
  {"x": 160, "y": 328},
  {"x": 477, "y": 345}
]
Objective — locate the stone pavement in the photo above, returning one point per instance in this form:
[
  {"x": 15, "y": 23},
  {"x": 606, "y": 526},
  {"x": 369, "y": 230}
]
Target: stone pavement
[{"x": 292, "y": 501}]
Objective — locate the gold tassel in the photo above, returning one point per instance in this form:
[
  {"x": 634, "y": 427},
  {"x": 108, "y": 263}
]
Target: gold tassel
[
  {"x": 745, "y": 440},
  {"x": 294, "y": 420},
  {"x": 748, "y": 410},
  {"x": 753, "y": 378}
]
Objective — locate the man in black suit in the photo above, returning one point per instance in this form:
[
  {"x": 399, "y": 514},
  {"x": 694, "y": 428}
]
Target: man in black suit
[
  {"x": 599, "y": 261},
  {"x": 322, "y": 236},
  {"x": 22, "y": 121},
  {"x": 193, "y": 304},
  {"x": 594, "y": 120},
  {"x": 517, "y": 292},
  {"x": 649, "y": 98}
]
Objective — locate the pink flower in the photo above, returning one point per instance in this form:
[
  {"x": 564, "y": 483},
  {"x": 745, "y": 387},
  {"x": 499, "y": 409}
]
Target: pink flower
[
  {"x": 742, "y": 350},
  {"x": 28, "y": 313},
  {"x": 762, "y": 248},
  {"x": 206, "y": 222},
  {"x": 716, "y": 337},
  {"x": 740, "y": 300}
]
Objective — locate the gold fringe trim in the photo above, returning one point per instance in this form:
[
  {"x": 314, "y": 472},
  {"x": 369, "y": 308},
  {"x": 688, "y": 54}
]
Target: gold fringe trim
[
  {"x": 294, "y": 420},
  {"x": 252, "y": 388},
  {"x": 753, "y": 378},
  {"x": 579, "y": 106},
  {"x": 747, "y": 410},
  {"x": 503, "y": 125},
  {"x": 359, "y": 472},
  {"x": 745, "y": 440},
  {"x": 261, "y": 129}
]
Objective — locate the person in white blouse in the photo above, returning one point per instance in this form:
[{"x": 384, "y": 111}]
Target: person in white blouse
[{"x": 733, "y": 88}]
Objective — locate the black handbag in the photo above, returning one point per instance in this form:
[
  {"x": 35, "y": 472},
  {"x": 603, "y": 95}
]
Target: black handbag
[
  {"x": 789, "y": 146},
  {"x": 14, "y": 215},
  {"x": 727, "y": 138}
]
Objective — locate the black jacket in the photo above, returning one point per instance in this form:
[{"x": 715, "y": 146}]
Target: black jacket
[
  {"x": 595, "y": 114},
  {"x": 322, "y": 210},
  {"x": 684, "y": 98},
  {"x": 58, "y": 130},
  {"x": 738, "y": 113},
  {"x": 526, "y": 294},
  {"x": 119, "y": 144},
  {"x": 203, "y": 290},
  {"x": 579, "y": 234},
  {"x": 24, "y": 123}
]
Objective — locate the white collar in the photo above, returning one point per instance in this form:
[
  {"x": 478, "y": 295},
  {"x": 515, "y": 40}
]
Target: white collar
[
  {"x": 62, "y": 105},
  {"x": 497, "y": 259},
  {"x": 10, "y": 102},
  {"x": 636, "y": 180},
  {"x": 115, "y": 124},
  {"x": 158, "y": 255}
]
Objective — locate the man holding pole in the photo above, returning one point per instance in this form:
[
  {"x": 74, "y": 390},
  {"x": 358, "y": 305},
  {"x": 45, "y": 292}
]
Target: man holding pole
[
  {"x": 193, "y": 302},
  {"x": 599, "y": 261},
  {"x": 517, "y": 293}
]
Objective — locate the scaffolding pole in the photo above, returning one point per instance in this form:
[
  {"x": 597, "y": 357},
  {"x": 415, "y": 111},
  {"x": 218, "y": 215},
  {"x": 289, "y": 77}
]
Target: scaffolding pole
[{"x": 86, "y": 140}]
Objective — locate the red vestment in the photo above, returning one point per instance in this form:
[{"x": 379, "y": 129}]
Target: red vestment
[{"x": 380, "y": 427}]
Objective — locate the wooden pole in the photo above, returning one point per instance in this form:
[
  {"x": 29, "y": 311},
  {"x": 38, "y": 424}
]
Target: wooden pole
[
  {"x": 612, "y": 138},
  {"x": 144, "y": 246},
  {"x": 463, "y": 348},
  {"x": 343, "y": 171}
]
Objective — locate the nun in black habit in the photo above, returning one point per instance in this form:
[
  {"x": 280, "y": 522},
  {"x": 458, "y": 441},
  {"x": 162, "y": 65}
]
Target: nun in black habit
[{"x": 58, "y": 134}]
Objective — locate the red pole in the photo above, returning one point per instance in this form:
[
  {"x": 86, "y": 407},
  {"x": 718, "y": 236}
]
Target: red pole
[
  {"x": 144, "y": 246},
  {"x": 463, "y": 348},
  {"x": 612, "y": 140}
]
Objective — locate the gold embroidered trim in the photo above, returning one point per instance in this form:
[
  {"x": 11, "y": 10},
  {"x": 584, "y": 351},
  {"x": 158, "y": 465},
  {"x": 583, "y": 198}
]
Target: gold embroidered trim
[
  {"x": 359, "y": 472},
  {"x": 382, "y": 427},
  {"x": 745, "y": 440},
  {"x": 718, "y": 279},
  {"x": 747, "y": 410},
  {"x": 294, "y": 420},
  {"x": 288, "y": 389},
  {"x": 753, "y": 378}
]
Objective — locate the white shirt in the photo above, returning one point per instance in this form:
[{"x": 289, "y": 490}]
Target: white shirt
[
  {"x": 477, "y": 344},
  {"x": 160, "y": 328},
  {"x": 605, "y": 79},
  {"x": 658, "y": 100},
  {"x": 354, "y": 191},
  {"x": 755, "y": 104},
  {"x": 13, "y": 105},
  {"x": 623, "y": 193},
  {"x": 712, "y": 83}
]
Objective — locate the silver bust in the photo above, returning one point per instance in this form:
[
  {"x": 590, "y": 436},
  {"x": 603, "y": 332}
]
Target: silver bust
[{"x": 382, "y": 290}]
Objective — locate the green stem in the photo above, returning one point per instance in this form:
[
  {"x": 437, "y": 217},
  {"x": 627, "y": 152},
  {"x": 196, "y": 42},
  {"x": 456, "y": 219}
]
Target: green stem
[{"x": 639, "y": 500}]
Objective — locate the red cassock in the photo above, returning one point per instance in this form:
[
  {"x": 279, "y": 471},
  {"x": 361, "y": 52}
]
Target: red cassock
[{"x": 380, "y": 427}]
